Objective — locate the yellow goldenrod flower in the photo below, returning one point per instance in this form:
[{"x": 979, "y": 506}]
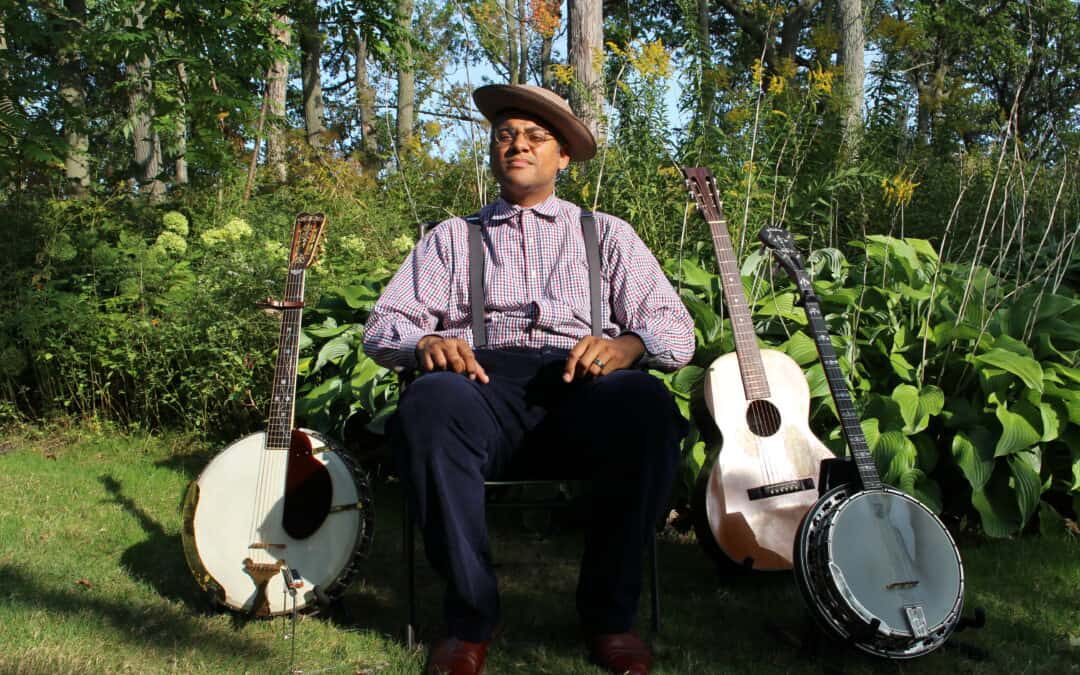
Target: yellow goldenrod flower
[
  {"x": 899, "y": 189},
  {"x": 758, "y": 71},
  {"x": 821, "y": 80},
  {"x": 651, "y": 60}
]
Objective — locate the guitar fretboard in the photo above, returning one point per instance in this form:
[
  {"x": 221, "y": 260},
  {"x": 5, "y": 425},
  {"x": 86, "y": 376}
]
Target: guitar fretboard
[
  {"x": 280, "y": 423},
  {"x": 755, "y": 384}
]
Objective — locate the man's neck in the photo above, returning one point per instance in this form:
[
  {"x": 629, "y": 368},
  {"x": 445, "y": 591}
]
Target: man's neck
[{"x": 528, "y": 200}]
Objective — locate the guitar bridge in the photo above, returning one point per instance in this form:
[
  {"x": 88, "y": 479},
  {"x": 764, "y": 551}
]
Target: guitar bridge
[{"x": 777, "y": 489}]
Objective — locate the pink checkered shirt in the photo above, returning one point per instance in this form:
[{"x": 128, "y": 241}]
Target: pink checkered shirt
[{"x": 536, "y": 282}]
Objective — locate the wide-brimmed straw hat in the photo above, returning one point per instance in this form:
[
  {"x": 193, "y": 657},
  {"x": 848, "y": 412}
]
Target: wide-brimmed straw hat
[{"x": 493, "y": 99}]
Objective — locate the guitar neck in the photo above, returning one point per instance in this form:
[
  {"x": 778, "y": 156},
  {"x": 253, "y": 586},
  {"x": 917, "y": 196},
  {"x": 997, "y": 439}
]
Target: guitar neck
[
  {"x": 280, "y": 424},
  {"x": 845, "y": 407},
  {"x": 755, "y": 384}
]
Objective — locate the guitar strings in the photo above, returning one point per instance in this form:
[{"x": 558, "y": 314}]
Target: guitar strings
[{"x": 273, "y": 462}]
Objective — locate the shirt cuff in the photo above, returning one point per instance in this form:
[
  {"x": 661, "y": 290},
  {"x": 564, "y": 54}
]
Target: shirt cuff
[
  {"x": 652, "y": 346},
  {"x": 407, "y": 348}
]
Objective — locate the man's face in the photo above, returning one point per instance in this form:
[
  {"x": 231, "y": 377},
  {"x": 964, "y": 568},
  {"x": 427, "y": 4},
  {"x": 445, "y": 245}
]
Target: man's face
[{"x": 525, "y": 158}]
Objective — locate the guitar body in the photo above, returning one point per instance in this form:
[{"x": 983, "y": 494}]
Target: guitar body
[
  {"x": 237, "y": 520},
  {"x": 764, "y": 479}
]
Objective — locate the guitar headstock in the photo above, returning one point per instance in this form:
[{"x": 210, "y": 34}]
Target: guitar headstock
[
  {"x": 782, "y": 245},
  {"x": 307, "y": 234},
  {"x": 702, "y": 186}
]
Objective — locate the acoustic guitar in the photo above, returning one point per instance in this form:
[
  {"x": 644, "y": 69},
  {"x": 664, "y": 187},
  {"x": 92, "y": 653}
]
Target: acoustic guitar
[
  {"x": 278, "y": 521},
  {"x": 749, "y": 501},
  {"x": 877, "y": 568}
]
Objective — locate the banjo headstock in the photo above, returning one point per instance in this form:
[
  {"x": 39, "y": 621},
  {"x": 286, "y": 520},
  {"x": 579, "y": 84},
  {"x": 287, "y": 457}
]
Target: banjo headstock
[{"x": 307, "y": 235}]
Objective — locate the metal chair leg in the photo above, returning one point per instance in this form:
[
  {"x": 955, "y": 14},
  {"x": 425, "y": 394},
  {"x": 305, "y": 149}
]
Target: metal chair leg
[
  {"x": 408, "y": 538},
  {"x": 655, "y": 574}
]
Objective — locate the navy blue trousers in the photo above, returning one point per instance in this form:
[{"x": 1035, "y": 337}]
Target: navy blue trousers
[{"x": 621, "y": 430}]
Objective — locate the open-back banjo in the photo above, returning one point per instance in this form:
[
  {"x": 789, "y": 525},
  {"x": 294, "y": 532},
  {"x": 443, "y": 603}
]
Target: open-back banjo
[
  {"x": 877, "y": 568},
  {"x": 278, "y": 521}
]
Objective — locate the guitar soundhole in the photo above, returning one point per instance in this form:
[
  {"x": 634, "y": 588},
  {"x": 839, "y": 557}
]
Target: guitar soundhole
[{"x": 763, "y": 418}]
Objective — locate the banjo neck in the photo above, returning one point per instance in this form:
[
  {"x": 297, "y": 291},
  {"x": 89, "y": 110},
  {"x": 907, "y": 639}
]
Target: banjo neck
[
  {"x": 280, "y": 423},
  {"x": 306, "y": 234},
  {"x": 783, "y": 248}
]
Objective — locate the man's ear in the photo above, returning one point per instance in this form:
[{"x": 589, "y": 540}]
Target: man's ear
[{"x": 564, "y": 158}]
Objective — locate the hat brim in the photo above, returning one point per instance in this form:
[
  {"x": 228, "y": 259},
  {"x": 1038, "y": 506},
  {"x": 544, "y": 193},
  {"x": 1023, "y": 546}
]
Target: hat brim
[{"x": 493, "y": 99}]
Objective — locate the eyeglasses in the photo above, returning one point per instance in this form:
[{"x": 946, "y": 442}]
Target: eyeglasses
[{"x": 534, "y": 137}]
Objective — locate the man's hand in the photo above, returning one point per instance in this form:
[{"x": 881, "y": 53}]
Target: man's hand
[
  {"x": 436, "y": 353},
  {"x": 598, "y": 356}
]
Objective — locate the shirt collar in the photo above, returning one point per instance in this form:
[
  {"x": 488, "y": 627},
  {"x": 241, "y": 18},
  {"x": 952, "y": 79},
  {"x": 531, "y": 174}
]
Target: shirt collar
[{"x": 549, "y": 208}]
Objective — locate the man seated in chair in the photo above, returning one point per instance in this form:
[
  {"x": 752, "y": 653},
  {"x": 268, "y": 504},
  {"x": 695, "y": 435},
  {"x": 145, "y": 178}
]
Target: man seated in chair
[{"x": 544, "y": 391}]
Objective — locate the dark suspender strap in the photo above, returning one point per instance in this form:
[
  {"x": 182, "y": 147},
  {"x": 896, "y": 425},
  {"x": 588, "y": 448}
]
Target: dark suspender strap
[
  {"x": 476, "y": 279},
  {"x": 592, "y": 254}
]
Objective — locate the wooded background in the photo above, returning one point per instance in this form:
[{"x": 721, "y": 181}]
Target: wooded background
[{"x": 152, "y": 155}]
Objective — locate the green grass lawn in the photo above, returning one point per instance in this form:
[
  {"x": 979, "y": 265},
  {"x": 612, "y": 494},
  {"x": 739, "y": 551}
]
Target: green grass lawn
[{"x": 93, "y": 580}]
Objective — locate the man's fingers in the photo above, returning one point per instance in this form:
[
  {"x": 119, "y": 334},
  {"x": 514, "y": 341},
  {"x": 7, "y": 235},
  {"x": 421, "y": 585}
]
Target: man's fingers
[{"x": 581, "y": 357}]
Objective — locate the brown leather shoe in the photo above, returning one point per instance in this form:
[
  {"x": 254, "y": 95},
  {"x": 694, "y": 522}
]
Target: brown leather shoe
[
  {"x": 623, "y": 653},
  {"x": 456, "y": 657}
]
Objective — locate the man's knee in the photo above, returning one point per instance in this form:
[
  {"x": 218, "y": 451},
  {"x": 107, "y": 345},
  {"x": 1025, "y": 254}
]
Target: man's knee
[{"x": 638, "y": 398}]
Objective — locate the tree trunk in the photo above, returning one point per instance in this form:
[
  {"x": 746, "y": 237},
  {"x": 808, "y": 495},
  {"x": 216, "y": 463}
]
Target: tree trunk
[
  {"x": 513, "y": 57},
  {"x": 365, "y": 105},
  {"x": 406, "y": 84},
  {"x": 276, "y": 87},
  {"x": 852, "y": 44},
  {"x": 73, "y": 92},
  {"x": 311, "y": 47},
  {"x": 586, "y": 39},
  {"x": 547, "y": 77},
  {"x": 523, "y": 43},
  {"x": 147, "y": 145},
  {"x": 706, "y": 89},
  {"x": 181, "y": 126}
]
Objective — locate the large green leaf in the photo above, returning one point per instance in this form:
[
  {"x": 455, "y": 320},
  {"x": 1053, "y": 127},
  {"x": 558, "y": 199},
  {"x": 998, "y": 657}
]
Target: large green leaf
[
  {"x": 365, "y": 370},
  {"x": 895, "y": 455},
  {"x": 1025, "y": 482},
  {"x": 1026, "y": 368},
  {"x": 902, "y": 367},
  {"x": 687, "y": 378},
  {"x": 693, "y": 275},
  {"x": 801, "y": 348},
  {"x": 333, "y": 351},
  {"x": 918, "y": 406},
  {"x": 1017, "y": 433},
  {"x": 1072, "y": 374},
  {"x": 1070, "y": 398},
  {"x": 1062, "y": 330},
  {"x": 782, "y": 305},
  {"x": 705, "y": 319},
  {"x": 973, "y": 450},
  {"x": 997, "y": 505},
  {"x": 917, "y": 484},
  {"x": 359, "y": 296}
]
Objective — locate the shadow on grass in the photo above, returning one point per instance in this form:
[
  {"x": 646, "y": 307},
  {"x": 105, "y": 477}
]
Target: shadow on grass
[
  {"x": 160, "y": 627},
  {"x": 159, "y": 559}
]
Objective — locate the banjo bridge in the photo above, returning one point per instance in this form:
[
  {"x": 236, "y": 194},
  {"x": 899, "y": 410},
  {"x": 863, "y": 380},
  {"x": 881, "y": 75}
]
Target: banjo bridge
[
  {"x": 264, "y": 546},
  {"x": 902, "y": 585},
  {"x": 777, "y": 489}
]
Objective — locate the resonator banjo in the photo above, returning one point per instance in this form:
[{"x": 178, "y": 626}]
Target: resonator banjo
[{"x": 877, "y": 568}]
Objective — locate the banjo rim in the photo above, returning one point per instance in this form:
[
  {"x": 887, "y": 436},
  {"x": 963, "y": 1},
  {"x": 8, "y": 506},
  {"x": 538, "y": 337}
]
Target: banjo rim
[{"x": 829, "y": 608}]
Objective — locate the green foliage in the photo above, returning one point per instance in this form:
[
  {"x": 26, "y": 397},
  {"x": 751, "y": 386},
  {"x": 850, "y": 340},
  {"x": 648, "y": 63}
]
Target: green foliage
[
  {"x": 992, "y": 396},
  {"x": 338, "y": 380}
]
